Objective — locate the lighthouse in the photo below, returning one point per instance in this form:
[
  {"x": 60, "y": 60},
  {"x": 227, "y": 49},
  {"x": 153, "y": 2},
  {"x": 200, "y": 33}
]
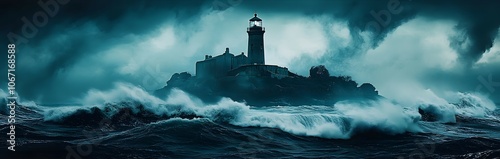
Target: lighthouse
[
  {"x": 255, "y": 32},
  {"x": 228, "y": 65}
]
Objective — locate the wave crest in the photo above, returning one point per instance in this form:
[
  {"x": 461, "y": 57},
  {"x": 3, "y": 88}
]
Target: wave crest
[{"x": 131, "y": 105}]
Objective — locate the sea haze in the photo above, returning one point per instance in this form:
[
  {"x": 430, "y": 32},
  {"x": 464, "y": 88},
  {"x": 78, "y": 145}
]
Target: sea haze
[{"x": 86, "y": 73}]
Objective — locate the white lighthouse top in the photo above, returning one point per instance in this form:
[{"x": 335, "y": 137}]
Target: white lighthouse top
[{"x": 255, "y": 21}]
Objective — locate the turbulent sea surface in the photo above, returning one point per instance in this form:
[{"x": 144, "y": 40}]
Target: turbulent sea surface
[{"x": 128, "y": 122}]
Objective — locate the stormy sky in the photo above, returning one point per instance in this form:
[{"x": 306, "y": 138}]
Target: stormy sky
[{"x": 406, "y": 48}]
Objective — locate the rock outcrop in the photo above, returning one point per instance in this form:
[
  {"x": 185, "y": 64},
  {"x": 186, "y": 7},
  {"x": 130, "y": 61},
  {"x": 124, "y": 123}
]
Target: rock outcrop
[{"x": 318, "y": 88}]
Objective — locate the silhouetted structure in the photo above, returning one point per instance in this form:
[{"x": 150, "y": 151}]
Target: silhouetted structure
[
  {"x": 218, "y": 66},
  {"x": 228, "y": 64},
  {"x": 251, "y": 80},
  {"x": 256, "y": 41}
]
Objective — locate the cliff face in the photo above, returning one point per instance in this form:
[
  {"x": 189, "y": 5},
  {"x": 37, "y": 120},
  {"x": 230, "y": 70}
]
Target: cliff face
[{"x": 318, "y": 89}]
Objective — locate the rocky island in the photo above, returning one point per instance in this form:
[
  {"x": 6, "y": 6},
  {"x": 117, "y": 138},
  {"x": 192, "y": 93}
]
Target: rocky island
[
  {"x": 249, "y": 79},
  {"x": 317, "y": 89}
]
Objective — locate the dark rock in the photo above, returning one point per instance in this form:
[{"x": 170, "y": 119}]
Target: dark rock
[
  {"x": 428, "y": 114},
  {"x": 368, "y": 89},
  {"x": 179, "y": 77},
  {"x": 319, "y": 72},
  {"x": 319, "y": 89}
]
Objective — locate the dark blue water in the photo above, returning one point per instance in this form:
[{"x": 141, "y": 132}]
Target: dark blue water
[{"x": 129, "y": 123}]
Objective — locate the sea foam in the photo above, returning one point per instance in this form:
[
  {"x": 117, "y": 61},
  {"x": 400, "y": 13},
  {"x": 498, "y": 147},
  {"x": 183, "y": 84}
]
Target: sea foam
[{"x": 344, "y": 120}]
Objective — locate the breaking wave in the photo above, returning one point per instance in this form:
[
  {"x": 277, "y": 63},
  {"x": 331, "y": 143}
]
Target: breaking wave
[
  {"x": 468, "y": 105},
  {"x": 341, "y": 121},
  {"x": 129, "y": 105},
  {"x": 130, "y": 120}
]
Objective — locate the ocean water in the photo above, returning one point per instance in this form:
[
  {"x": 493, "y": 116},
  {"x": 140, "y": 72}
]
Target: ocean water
[{"x": 128, "y": 122}]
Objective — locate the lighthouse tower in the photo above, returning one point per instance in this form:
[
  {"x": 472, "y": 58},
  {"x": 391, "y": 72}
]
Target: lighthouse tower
[{"x": 255, "y": 41}]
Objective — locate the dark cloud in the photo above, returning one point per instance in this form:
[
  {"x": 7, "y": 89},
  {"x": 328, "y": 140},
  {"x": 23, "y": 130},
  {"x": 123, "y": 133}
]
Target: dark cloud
[
  {"x": 477, "y": 24},
  {"x": 80, "y": 29},
  {"x": 478, "y": 21},
  {"x": 110, "y": 16},
  {"x": 84, "y": 28}
]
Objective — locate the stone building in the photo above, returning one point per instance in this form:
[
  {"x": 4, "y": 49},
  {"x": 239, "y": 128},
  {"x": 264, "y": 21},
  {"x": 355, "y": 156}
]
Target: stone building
[{"x": 228, "y": 64}]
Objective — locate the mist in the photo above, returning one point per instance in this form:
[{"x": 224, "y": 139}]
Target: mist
[{"x": 425, "y": 48}]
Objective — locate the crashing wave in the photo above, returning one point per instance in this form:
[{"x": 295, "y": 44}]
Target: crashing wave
[
  {"x": 127, "y": 104},
  {"x": 460, "y": 105}
]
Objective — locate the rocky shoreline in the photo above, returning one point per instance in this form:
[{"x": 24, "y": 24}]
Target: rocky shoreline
[{"x": 318, "y": 89}]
